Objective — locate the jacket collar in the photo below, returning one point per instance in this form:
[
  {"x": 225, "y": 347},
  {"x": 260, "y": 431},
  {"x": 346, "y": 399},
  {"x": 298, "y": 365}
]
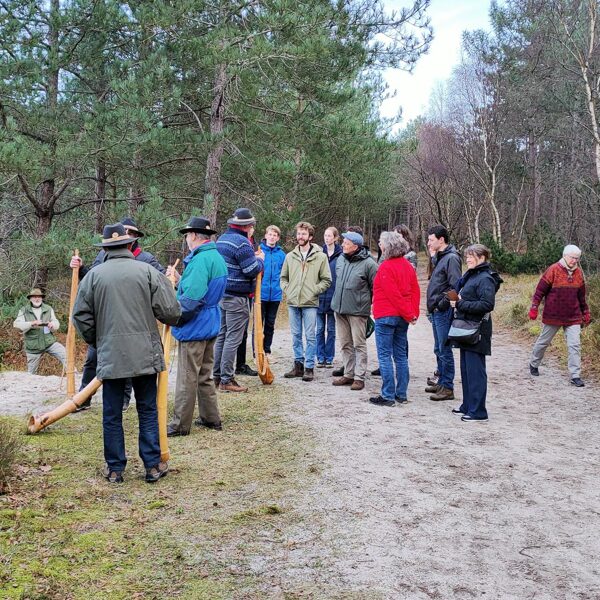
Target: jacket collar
[
  {"x": 314, "y": 248},
  {"x": 118, "y": 253},
  {"x": 208, "y": 245}
]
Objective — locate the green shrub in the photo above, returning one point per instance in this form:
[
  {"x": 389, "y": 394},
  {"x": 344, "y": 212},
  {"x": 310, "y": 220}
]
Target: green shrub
[{"x": 10, "y": 445}]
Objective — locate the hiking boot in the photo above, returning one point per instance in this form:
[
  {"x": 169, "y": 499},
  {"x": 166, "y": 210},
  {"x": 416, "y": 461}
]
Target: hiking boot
[
  {"x": 534, "y": 371},
  {"x": 246, "y": 370},
  {"x": 357, "y": 385},
  {"x": 433, "y": 389},
  {"x": 381, "y": 401},
  {"x": 338, "y": 372},
  {"x": 443, "y": 394},
  {"x": 376, "y": 372},
  {"x": 342, "y": 381},
  {"x": 432, "y": 381},
  {"x": 232, "y": 386},
  {"x": 155, "y": 473},
  {"x": 577, "y": 382},
  {"x": 309, "y": 375},
  {"x": 112, "y": 476},
  {"x": 296, "y": 371},
  {"x": 200, "y": 422},
  {"x": 174, "y": 432}
]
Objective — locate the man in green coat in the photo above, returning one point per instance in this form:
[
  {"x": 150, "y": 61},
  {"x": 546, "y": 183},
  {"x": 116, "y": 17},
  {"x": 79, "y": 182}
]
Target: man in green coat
[
  {"x": 305, "y": 274},
  {"x": 38, "y": 323},
  {"x": 115, "y": 311}
]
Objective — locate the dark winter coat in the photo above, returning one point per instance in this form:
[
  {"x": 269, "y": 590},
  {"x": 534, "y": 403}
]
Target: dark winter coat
[
  {"x": 325, "y": 297},
  {"x": 354, "y": 285},
  {"x": 138, "y": 254},
  {"x": 115, "y": 311},
  {"x": 445, "y": 276},
  {"x": 477, "y": 289}
]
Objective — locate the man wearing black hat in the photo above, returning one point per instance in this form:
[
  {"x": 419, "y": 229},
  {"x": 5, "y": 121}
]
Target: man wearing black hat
[
  {"x": 243, "y": 265},
  {"x": 38, "y": 323},
  {"x": 89, "y": 366},
  {"x": 200, "y": 289},
  {"x": 115, "y": 311}
]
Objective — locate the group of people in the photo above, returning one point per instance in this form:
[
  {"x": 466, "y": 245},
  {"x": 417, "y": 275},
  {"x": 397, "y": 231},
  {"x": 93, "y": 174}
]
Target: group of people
[{"x": 331, "y": 292}]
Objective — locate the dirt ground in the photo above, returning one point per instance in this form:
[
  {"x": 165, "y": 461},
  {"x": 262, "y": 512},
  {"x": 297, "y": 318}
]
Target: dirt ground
[{"x": 413, "y": 503}]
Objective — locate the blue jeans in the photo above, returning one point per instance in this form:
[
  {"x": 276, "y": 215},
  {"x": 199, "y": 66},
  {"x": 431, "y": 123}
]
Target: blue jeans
[
  {"x": 325, "y": 336},
  {"x": 435, "y": 344},
  {"x": 144, "y": 387},
  {"x": 441, "y": 326},
  {"x": 474, "y": 384},
  {"x": 391, "y": 341},
  {"x": 304, "y": 319}
]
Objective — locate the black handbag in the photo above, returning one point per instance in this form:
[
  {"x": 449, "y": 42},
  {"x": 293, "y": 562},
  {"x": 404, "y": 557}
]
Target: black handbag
[{"x": 465, "y": 332}]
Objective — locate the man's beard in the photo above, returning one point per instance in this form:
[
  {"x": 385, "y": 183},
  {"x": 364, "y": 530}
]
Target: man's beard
[{"x": 303, "y": 243}]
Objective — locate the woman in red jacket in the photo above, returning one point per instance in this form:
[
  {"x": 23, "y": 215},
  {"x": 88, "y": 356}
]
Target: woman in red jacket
[{"x": 396, "y": 297}]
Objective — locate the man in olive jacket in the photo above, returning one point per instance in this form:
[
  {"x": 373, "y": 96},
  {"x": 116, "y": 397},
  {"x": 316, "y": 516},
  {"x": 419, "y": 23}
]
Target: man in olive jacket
[
  {"x": 305, "y": 274},
  {"x": 351, "y": 302},
  {"x": 115, "y": 311}
]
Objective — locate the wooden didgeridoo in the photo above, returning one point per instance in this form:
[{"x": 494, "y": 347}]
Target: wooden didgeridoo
[
  {"x": 37, "y": 423},
  {"x": 262, "y": 362},
  {"x": 71, "y": 333},
  {"x": 163, "y": 389}
]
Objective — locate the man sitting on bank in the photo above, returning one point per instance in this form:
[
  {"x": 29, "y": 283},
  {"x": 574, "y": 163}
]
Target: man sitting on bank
[{"x": 38, "y": 323}]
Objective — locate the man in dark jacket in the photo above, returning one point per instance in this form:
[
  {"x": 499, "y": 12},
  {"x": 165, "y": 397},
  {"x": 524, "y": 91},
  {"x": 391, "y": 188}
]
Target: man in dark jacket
[
  {"x": 89, "y": 366},
  {"x": 351, "y": 302},
  {"x": 115, "y": 312},
  {"x": 446, "y": 273},
  {"x": 243, "y": 265}
]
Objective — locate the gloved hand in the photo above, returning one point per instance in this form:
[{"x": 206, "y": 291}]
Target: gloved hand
[
  {"x": 533, "y": 313},
  {"x": 587, "y": 318}
]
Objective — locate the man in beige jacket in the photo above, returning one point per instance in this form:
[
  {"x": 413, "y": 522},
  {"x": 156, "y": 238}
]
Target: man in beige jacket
[{"x": 305, "y": 275}]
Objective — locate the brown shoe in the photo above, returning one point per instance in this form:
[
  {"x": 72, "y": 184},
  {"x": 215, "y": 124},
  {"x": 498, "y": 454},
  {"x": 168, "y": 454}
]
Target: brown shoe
[
  {"x": 309, "y": 375},
  {"x": 296, "y": 371},
  {"x": 357, "y": 385},
  {"x": 342, "y": 381},
  {"x": 443, "y": 394},
  {"x": 433, "y": 389},
  {"x": 232, "y": 386}
]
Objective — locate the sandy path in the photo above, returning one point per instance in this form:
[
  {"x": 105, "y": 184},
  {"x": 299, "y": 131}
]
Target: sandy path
[{"x": 413, "y": 503}]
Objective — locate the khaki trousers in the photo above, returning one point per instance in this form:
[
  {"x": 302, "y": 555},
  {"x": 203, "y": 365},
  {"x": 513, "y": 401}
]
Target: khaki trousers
[
  {"x": 352, "y": 336},
  {"x": 57, "y": 350},
  {"x": 195, "y": 385}
]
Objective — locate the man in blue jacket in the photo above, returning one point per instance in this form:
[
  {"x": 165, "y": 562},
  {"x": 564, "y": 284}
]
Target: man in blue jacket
[
  {"x": 243, "y": 265},
  {"x": 201, "y": 288}
]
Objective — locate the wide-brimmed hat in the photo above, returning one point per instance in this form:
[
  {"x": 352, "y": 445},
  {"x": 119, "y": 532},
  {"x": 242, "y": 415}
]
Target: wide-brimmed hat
[
  {"x": 130, "y": 225},
  {"x": 242, "y": 216},
  {"x": 198, "y": 225},
  {"x": 115, "y": 235},
  {"x": 36, "y": 292}
]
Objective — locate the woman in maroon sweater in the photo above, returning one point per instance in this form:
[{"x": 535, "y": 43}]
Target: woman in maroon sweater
[
  {"x": 562, "y": 288},
  {"x": 396, "y": 297}
]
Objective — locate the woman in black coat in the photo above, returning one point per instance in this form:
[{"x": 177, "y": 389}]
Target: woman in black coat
[{"x": 476, "y": 299}]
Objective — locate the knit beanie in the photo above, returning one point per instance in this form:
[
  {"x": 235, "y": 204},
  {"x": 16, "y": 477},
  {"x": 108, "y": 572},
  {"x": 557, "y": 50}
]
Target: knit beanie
[{"x": 572, "y": 250}]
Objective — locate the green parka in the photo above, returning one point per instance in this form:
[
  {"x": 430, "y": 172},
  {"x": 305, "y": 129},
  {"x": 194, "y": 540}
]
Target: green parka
[
  {"x": 354, "y": 284},
  {"x": 115, "y": 311},
  {"x": 303, "y": 281}
]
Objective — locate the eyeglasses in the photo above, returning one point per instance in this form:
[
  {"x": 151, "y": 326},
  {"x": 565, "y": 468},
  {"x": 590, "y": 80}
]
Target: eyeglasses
[{"x": 571, "y": 257}]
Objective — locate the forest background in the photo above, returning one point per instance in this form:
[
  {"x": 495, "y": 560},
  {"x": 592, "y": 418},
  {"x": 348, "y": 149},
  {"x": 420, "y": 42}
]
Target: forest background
[{"x": 164, "y": 109}]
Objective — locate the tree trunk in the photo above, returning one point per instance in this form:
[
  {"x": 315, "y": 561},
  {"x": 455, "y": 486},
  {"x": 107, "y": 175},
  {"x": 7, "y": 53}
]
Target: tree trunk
[
  {"x": 100, "y": 195},
  {"x": 212, "y": 197}
]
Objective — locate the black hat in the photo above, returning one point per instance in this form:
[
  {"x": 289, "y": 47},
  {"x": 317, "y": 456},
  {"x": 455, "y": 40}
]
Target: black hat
[
  {"x": 115, "y": 235},
  {"x": 242, "y": 216},
  {"x": 130, "y": 225},
  {"x": 198, "y": 225}
]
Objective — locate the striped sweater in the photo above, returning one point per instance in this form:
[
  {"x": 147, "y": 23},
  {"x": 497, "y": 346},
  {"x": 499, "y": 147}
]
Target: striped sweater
[
  {"x": 563, "y": 295},
  {"x": 242, "y": 264}
]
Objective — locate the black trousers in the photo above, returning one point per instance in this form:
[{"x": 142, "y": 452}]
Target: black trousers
[{"x": 269, "y": 315}]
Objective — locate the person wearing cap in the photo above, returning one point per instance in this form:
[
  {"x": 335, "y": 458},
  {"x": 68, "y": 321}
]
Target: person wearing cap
[
  {"x": 89, "y": 366},
  {"x": 243, "y": 265},
  {"x": 563, "y": 291},
  {"x": 116, "y": 309},
  {"x": 200, "y": 289},
  {"x": 304, "y": 276},
  {"x": 38, "y": 323},
  {"x": 351, "y": 302}
]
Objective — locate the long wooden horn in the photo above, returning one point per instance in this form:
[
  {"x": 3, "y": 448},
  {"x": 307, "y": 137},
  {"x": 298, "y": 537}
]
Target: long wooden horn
[
  {"x": 71, "y": 333},
  {"x": 163, "y": 388},
  {"x": 262, "y": 362},
  {"x": 37, "y": 423}
]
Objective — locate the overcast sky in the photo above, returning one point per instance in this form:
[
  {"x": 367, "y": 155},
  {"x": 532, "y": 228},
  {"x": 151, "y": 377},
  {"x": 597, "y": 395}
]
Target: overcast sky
[{"x": 449, "y": 19}]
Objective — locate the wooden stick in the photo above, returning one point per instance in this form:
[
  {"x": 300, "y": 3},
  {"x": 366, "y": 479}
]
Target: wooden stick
[{"x": 71, "y": 333}]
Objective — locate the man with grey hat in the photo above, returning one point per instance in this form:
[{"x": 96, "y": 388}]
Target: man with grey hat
[
  {"x": 200, "y": 289},
  {"x": 38, "y": 323},
  {"x": 89, "y": 366},
  {"x": 243, "y": 265},
  {"x": 116, "y": 309}
]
